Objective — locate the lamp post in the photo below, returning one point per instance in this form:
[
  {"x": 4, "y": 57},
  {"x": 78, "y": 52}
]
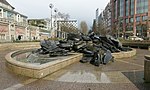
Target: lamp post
[
  {"x": 55, "y": 23},
  {"x": 55, "y": 10},
  {"x": 134, "y": 16},
  {"x": 51, "y": 7}
]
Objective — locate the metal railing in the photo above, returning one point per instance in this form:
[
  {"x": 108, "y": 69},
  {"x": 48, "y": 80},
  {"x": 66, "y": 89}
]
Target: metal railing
[{"x": 5, "y": 20}]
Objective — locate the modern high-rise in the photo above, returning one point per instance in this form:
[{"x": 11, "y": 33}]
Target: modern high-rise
[
  {"x": 103, "y": 22},
  {"x": 105, "y": 16},
  {"x": 130, "y": 17}
]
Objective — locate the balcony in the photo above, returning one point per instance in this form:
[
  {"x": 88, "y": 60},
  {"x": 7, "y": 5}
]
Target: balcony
[
  {"x": 4, "y": 20},
  {"x": 7, "y": 21},
  {"x": 23, "y": 24}
]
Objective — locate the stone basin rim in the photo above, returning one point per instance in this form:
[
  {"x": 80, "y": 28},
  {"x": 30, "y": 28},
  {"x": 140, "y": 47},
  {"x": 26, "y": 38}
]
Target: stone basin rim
[
  {"x": 147, "y": 57},
  {"x": 9, "y": 59},
  {"x": 124, "y": 54}
]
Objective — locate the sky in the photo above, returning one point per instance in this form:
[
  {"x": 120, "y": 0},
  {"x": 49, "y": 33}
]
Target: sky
[{"x": 81, "y": 10}]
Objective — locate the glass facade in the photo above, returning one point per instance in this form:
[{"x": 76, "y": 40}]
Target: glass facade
[
  {"x": 127, "y": 7},
  {"x": 138, "y": 28},
  {"x": 116, "y": 9},
  {"x": 131, "y": 20},
  {"x": 142, "y": 6},
  {"x": 127, "y": 20},
  {"x": 144, "y": 18},
  {"x": 131, "y": 7},
  {"x": 126, "y": 10},
  {"x": 129, "y": 28},
  {"x": 137, "y": 19},
  {"x": 121, "y": 8}
]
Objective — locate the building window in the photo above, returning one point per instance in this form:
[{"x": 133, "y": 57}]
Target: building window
[
  {"x": 12, "y": 27},
  {"x": 127, "y": 20},
  {"x": 127, "y": 8},
  {"x": 145, "y": 27},
  {"x": 137, "y": 19},
  {"x": 131, "y": 20},
  {"x": 144, "y": 18},
  {"x": 1, "y": 13},
  {"x": 142, "y": 6},
  {"x": 10, "y": 15},
  {"x": 116, "y": 9},
  {"x": 131, "y": 28},
  {"x": 18, "y": 18},
  {"x": 24, "y": 20},
  {"x": 138, "y": 28},
  {"x": 2, "y": 36},
  {"x": 132, "y": 7},
  {"x": 121, "y": 8}
]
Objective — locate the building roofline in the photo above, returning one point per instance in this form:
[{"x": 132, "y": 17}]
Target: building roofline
[
  {"x": 6, "y": 3},
  {"x": 13, "y": 11},
  {"x": 35, "y": 19}
]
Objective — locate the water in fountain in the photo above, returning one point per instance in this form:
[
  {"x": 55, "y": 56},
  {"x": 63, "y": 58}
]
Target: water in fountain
[{"x": 33, "y": 58}]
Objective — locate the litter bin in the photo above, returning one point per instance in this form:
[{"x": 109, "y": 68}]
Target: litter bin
[
  {"x": 149, "y": 48},
  {"x": 147, "y": 68}
]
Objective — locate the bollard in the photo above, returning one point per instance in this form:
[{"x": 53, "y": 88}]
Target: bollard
[
  {"x": 149, "y": 48},
  {"x": 147, "y": 68}
]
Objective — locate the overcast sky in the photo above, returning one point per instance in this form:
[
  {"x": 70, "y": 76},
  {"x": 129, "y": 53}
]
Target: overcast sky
[{"x": 82, "y": 10}]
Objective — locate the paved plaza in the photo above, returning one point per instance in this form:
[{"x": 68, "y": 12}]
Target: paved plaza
[{"x": 123, "y": 74}]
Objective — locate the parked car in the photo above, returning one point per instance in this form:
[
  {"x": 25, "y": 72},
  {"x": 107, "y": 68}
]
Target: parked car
[{"x": 135, "y": 38}]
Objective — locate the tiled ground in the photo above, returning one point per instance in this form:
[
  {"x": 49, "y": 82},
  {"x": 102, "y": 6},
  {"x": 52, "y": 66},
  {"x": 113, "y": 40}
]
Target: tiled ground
[
  {"x": 123, "y": 74},
  {"x": 137, "y": 80}
]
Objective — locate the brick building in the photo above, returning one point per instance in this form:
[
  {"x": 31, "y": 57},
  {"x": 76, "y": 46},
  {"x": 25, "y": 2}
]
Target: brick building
[{"x": 129, "y": 17}]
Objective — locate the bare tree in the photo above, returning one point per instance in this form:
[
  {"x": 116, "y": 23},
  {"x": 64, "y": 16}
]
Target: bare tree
[
  {"x": 101, "y": 29},
  {"x": 84, "y": 27},
  {"x": 63, "y": 15}
]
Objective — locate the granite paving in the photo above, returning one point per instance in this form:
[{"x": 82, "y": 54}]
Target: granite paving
[{"x": 123, "y": 74}]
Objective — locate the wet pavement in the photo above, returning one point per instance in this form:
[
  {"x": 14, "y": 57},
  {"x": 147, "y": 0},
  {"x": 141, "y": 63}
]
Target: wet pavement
[{"x": 123, "y": 74}]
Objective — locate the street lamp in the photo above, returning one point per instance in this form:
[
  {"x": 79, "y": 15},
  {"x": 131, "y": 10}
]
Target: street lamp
[
  {"x": 55, "y": 22},
  {"x": 55, "y": 10},
  {"x": 51, "y": 7}
]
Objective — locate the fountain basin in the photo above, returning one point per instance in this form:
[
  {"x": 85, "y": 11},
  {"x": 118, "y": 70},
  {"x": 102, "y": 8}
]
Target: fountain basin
[
  {"x": 38, "y": 70},
  {"x": 147, "y": 57},
  {"x": 124, "y": 54},
  {"x": 42, "y": 70}
]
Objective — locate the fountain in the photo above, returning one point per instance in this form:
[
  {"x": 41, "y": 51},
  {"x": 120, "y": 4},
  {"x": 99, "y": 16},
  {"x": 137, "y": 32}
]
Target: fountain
[
  {"x": 21, "y": 62},
  {"x": 55, "y": 55}
]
